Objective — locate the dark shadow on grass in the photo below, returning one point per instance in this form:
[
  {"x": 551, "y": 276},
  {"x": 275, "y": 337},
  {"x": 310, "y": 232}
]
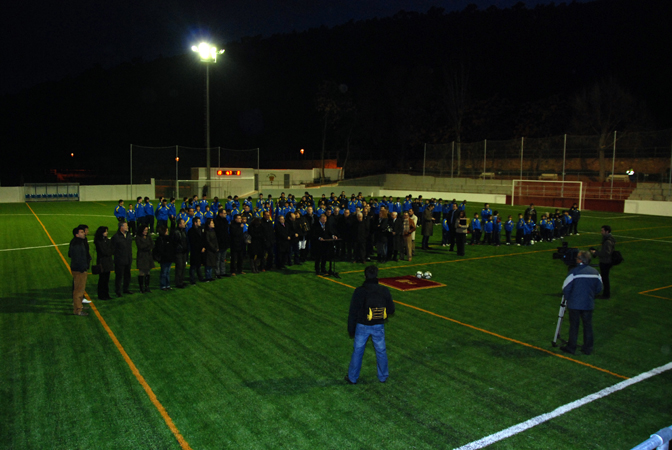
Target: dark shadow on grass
[
  {"x": 291, "y": 386},
  {"x": 42, "y": 301}
]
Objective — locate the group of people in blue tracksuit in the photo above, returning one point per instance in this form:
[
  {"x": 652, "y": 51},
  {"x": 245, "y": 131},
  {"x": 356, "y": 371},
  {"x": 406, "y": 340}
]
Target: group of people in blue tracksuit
[{"x": 144, "y": 213}]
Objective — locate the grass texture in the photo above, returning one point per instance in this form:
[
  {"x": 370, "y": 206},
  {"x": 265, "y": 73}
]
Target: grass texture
[{"x": 257, "y": 361}]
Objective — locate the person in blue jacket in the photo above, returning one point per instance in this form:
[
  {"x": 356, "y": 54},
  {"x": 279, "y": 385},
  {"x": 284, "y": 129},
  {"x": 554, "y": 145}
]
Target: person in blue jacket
[
  {"x": 488, "y": 226},
  {"x": 476, "y": 230},
  {"x": 149, "y": 215},
  {"x": 162, "y": 213},
  {"x": 120, "y": 211},
  {"x": 139, "y": 212},
  {"x": 529, "y": 229},
  {"x": 446, "y": 232},
  {"x": 508, "y": 228},
  {"x": 204, "y": 203},
  {"x": 496, "y": 229},
  {"x": 214, "y": 207},
  {"x": 486, "y": 212},
  {"x": 520, "y": 230},
  {"x": 463, "y": 206},
  {"x": 130, "y": 218},
  {"x": 579, "y": 290},
  {"x": 172, "y": 215}
]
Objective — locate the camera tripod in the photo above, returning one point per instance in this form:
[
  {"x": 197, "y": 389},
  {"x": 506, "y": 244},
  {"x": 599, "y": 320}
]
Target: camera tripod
[{"x": 561, "y": 315}]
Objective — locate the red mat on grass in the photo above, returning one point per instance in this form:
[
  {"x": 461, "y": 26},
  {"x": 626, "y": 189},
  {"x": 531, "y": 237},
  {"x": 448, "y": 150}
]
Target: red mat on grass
[{"x": 409, "y": 283}]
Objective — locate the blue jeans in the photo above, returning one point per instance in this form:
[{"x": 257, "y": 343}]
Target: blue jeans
[
  {"x": 362, "y": 333},
  {"x": 164, "y": 280}
]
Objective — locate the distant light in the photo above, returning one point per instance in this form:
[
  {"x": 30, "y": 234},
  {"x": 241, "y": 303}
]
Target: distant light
[
  {"x": 220, "y": 172},
  {"x": 207, "y": 52},
  {"x": 177, "y": 159},
  {"x": 302, "y": 151},
  {"x": 72, "y": 155}
]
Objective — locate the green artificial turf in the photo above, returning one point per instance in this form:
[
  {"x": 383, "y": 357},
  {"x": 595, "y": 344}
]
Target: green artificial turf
[{"x": 257, "y": 361}]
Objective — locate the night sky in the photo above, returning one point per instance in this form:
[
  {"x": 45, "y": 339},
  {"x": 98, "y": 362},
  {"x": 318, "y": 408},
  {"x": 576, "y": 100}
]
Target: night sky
[{"x": 46, "y": 41}]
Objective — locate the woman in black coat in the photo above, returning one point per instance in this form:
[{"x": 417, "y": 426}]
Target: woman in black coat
[
  {"x": 104, "y": 253},
  {"x": 145, "y": 260},
  {"x": 165, "y": 255},
  {"x": 257, "y": 246},
  {"x": 211, "y": 249},
  {"x": 283, "y": 241}
]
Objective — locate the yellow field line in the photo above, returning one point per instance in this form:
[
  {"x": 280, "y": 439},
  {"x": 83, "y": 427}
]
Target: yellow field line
[
  {"x": 654, "y": 290},
  {"x": 183, "y": 443},
  {"x": 657, "y": 296},
  {"x": 495, "y": 334}
]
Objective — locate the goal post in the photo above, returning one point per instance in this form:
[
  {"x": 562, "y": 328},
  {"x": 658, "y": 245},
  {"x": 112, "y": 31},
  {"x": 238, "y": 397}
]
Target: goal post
[{"x": 559, "y": 194}]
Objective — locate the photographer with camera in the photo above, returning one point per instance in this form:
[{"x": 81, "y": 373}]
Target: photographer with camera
[
  {"x": 605, "y": 254},
  {"x": 579, "y": 290}
]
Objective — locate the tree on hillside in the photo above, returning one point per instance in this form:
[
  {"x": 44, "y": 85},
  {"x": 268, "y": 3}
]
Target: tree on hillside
[
  {"x": 456, "y": 101},
  {"x": 333, "y": 103},
  {"x": 604, "y": 108}
]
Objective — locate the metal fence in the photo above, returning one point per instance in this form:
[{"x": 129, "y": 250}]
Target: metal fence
[
  {"x": 175, "y": 162},
  {"x": 648, "y": 153}
]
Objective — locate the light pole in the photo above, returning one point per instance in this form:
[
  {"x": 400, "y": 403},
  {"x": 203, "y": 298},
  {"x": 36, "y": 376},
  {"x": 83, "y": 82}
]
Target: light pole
[{"x": 208, "y": 54}]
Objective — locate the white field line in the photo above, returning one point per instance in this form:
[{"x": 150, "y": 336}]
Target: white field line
[
  {"x": 631, "y": 237},
  {"x": 523, "y": 426},
  {"x": 76, "y": 215},
  {"x": 31, "y": 248},
  {"x": 612, "y": 218}
]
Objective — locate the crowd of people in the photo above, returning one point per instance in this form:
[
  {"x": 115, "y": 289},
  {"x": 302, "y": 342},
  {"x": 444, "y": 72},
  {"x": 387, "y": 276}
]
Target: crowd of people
[{"x": 218, "y": 239}]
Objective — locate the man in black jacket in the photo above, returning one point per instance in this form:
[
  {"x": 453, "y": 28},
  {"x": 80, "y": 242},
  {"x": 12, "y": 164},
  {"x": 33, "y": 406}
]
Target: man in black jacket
[
  {"x": 371, "y": 304},
  {"x": 79, "y": 266},
  {"x": 323, "y": 251},
  {"x": 269, "y": 239},
  {"x": 604, "y": 253},
  {"x": 237, "y": 245},
  {"x": 222, "y": 231},
  {"x": 181, "y": 245},
  {"x": 197, "y": 252},
  {"x": 453, "y": 216},
  {"x": 122, "y": 244}
]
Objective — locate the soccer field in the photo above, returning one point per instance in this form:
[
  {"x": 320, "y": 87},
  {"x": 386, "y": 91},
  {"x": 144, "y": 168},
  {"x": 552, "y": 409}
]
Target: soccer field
[{"x": 257, "y": 361}]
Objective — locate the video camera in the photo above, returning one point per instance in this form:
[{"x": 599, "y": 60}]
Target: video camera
[{"x": 567, "y": 254}]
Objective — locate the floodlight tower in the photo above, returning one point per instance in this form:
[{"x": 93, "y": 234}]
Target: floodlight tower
[{"x": 208, "y": 54}]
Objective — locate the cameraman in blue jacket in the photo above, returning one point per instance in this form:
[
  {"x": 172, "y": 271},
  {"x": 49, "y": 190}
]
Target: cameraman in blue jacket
[{"x": 579, "y": 290}]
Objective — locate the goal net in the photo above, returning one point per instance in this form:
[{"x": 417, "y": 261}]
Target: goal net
[{"x": 558, "y": 194}]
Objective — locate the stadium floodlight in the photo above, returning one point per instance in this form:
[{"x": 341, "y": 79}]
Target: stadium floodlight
[{"x": 208, "y": 54}]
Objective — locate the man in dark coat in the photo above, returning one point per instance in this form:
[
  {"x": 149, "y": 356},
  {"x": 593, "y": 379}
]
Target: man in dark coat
[
  {"x": 211, "y": 244},
  {"x": 269, "y": 239},
  {"x": 122, "y": 244},
  {"x": 370, "y": 306},
  {"x": 223, "y": 240},
  {"x": 427, "y": 226},
  {"x": 397, "y": 225},
  {"x": 453, "y": 216},
  {"x": 181, "y": 246},
  {"x": 79, "y": 266},
  {"x": 604, "y": 253},
  {"x": 237, "y": 245},
  {"x": 197, "y": 252},
  {"x": 323, "y": 239},
  {"x": 283, "y": 241}
]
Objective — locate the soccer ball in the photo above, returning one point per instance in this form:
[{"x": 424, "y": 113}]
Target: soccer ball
[
  {"x": 418, "y": 274},
  {"x": 427, "y": 275}
]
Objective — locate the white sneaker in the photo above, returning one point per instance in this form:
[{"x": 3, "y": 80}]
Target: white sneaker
[{"x": 86, "y": 301}]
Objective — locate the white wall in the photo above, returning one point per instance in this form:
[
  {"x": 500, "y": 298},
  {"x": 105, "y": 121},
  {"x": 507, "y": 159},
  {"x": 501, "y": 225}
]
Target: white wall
[
  {"x": 648, "y": 207},
  {"x": 115, "y": 192},
  {"x": 12, "y": 194}
]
